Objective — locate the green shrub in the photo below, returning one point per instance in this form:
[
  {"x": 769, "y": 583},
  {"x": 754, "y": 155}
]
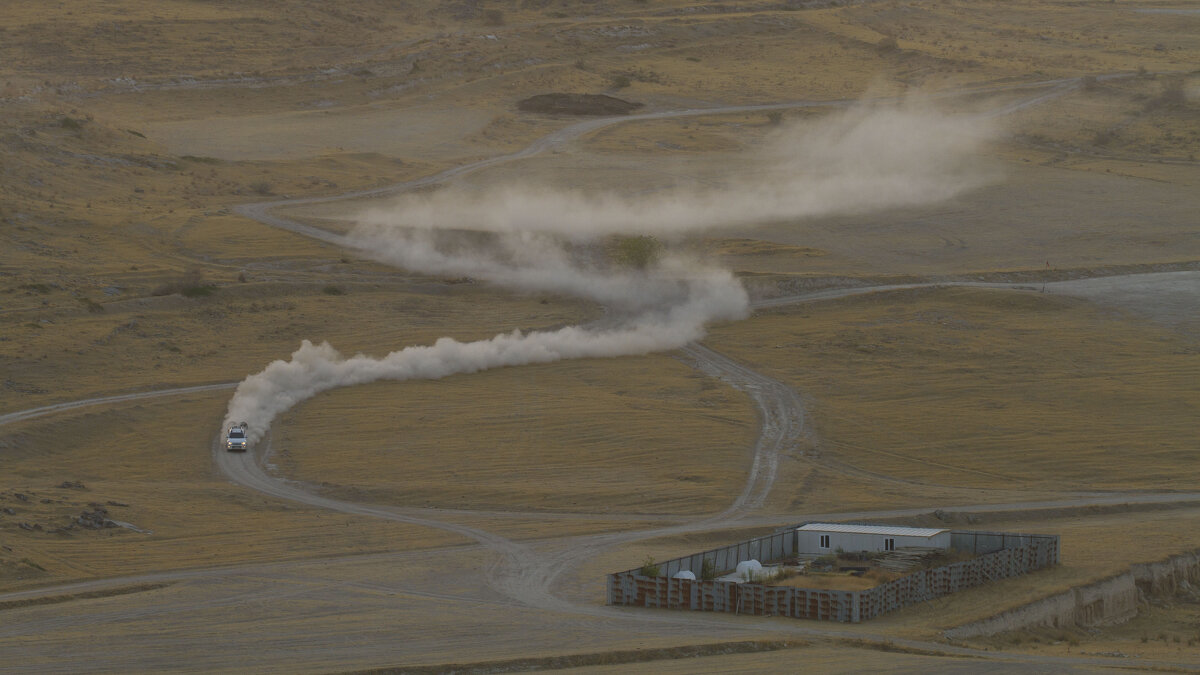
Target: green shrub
[
  {"x": 637, "y": 252},
  {"x": 708, "y": 569},
  {"x": 649, "y": 568}
]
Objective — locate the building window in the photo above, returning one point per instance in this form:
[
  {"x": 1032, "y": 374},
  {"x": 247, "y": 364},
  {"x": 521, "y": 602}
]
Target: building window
[
  {"x": 889, "y": 544},
  {"x": 824, "y": 541}
]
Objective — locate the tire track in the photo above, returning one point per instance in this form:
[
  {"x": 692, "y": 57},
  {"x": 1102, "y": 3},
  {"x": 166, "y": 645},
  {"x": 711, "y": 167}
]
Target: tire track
[
  {"x": 33, "y": 413},
  {"x": 781, "y": 422},
  {"x": 520, "y": 571}
]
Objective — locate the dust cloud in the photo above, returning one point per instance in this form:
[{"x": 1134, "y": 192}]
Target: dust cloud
[
  {"x": 537, "y": 239},
  {"x": 867, "y": 158}
]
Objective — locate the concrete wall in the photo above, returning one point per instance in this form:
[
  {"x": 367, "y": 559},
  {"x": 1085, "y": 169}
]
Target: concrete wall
[{"x": 809, "y": 541}]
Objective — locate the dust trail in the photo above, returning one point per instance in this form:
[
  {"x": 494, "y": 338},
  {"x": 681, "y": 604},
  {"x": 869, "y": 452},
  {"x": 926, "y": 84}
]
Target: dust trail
[
  {"x": 537, "y": 239},
  {"x": 312, "y": 369},
  {"x": 867, "y": 158}
]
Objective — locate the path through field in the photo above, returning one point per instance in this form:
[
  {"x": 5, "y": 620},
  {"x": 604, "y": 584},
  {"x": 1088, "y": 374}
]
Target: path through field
[{"x": 499, "y": 595}]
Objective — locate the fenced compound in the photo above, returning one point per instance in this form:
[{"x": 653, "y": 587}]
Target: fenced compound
[{"x": 1004, "y": 555}]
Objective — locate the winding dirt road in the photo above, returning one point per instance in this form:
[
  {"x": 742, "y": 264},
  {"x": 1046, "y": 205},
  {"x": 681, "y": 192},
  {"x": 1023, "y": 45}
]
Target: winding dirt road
[{"x": 530, "y": 574}]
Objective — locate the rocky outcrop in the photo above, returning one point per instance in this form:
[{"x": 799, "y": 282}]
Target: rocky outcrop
[
  {"x": 95, "y": 519},
  {"x": 1110, "y": 601},
  {"x": 1166, "y": 577}
]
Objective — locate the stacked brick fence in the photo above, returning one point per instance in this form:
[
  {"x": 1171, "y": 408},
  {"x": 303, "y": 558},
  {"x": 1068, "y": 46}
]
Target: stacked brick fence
[{"x": 1020, "y": 554}]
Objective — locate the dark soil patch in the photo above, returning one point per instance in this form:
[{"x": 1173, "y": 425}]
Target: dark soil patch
[
  {"x": 102, "y": 593},
  {"x": 621, "y": 657},
  {"x": 576, "y": 104}
]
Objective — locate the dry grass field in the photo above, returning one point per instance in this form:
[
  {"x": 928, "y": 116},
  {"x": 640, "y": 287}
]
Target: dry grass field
[
  {"x": 131, "y": 130},
  {"x": 677, "y": 449},
  {"x": 1033, "y": 397}
]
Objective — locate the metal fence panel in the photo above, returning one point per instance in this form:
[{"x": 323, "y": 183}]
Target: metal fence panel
[
  {"x": 1018, "y": 554},
  {"x": 771, "y": 548}
]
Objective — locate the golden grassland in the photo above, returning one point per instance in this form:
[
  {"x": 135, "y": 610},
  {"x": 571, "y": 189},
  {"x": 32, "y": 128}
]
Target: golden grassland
[
  {"x": 113, "y": 193},
  {"x": 986, "y": 388},
  {"x": 535, "y": 437},
  {"x": 69, "y": 350},
  {"x": 153, "y": 460}
]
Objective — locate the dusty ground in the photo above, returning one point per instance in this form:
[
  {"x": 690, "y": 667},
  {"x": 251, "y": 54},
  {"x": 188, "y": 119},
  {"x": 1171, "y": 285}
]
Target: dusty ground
[{"x": 131, "y": 129}]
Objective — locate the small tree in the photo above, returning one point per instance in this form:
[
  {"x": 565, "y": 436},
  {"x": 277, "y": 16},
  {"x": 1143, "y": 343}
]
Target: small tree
[
  {"x": 708, "y": 569},
  {"x": 649, "y": 567}
]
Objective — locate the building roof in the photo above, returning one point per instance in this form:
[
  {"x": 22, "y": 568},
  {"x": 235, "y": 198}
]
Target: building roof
[{"x": 889, "y": 530}]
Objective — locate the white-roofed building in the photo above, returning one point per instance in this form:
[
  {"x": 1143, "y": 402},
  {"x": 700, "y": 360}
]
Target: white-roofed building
[{"x": 823, "y": 538}]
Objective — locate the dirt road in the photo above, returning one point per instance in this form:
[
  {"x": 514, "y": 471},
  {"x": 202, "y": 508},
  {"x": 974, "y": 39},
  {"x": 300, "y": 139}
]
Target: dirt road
[
  {"x": 521, "y": 591},
  {"x": 531, "y": 580}
]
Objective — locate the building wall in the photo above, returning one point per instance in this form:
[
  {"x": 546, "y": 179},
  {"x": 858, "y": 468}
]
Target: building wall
[{"x": 809, "y": 541}]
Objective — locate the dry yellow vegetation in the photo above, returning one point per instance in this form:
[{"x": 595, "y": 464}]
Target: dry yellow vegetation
[
  {"x": 531, "y": 438},
  {"x": 986, "y": 388},
  {"x": 131, "y": 129}
]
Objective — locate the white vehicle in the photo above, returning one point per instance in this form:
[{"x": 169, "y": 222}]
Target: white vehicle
[{"x": 236, "y": 439}]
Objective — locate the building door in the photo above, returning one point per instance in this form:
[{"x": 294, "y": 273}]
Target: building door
[{"x": 889, "y": 544}]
